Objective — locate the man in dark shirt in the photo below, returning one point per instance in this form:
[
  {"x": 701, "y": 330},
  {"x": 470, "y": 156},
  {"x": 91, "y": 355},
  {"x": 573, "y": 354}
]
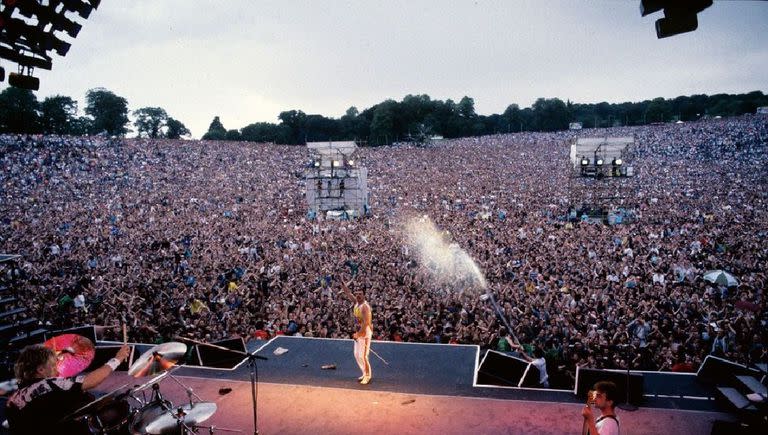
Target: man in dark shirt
[{"x": 43, "y": 399}]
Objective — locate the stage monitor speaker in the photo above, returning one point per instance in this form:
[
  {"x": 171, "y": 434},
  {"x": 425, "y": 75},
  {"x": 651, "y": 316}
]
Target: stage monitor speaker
[
  {"x": 104, "y": 354},
  {"x": 219, "y": 358},
  {"x": 586, "y": 379},
  {"x": 720, "y": 371},
  {"x": 504, "y": 370},
  {"x": 88, "y": 332}
]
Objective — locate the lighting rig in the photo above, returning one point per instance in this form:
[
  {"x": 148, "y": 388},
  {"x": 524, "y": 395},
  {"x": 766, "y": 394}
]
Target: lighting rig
[
  {"x": 30, "y": 30},
  {"x": 680, "y": 16}
]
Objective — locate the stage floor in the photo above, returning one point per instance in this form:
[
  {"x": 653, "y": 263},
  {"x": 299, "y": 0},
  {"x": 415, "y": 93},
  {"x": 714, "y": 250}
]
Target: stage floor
[{"x": 424, "y": 388}]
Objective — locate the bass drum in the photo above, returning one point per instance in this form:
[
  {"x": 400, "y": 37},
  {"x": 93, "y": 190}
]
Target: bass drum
[
  {"x": 149, "y": 413},
  {"x": 111, "y": 417}
]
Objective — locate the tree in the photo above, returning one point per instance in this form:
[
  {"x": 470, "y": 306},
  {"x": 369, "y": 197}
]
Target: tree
[
  {"x": 657, "y": 110},
  {"x": 550, "y": 114},
  {"x": 175, "y": 129},
  {"x": 216, "y": 130},
  {"x": 513, "y": 118},
  {"x": 383, "y": 123},
  {"x": 58, "y": 115},
  {"x": 80, "y": 126},
  {"x": 18, "y": 111},
  {"x": 108, "y": 111},
  {"x": 259, "y": 132},
  {"x": 466, "y": 107},
  {"x": 150, "y": 121},
  {"x": 232, "y": 135},
  {"x": 295, "y": 121}
]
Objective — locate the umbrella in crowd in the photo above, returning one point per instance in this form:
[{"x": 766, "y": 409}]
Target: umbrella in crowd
[{"x": 721, "y": 277}]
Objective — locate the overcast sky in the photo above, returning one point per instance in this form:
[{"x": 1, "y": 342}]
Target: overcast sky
[{"x": 248, "y": 60}]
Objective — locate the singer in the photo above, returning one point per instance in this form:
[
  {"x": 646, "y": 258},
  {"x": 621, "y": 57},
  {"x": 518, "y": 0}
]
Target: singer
[{"x": 362, "y": 337}]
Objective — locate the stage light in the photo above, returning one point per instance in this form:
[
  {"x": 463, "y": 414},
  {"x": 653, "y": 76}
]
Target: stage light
[
  {"x": 351, "y": 163},
  {"x": 83, "y": 9},
  {"x": 617, "y": 162},
  {"x": 61, "y": 24},
  {"x": 584, "y": 162},
  {"x": 650, "y": 6},
  {"x": 335, "y": 164},
  {"x": 599, "y": 162},
  {"x": 23, "y": 81},
  {"x": 679, "y": 15},
  {"x": 672, "y": 26},
  {"x": 317, "y": 163},
  {"x": 53, "y": 43}
]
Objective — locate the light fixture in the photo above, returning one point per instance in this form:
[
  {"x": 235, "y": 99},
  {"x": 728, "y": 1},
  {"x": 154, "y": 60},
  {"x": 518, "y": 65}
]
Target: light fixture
[
  {"x": 599, "y": 162},
  {"x": 23, "y": 81},
  {"x": 335, "y": 163},
  {"x": 617, "y": 162},
  {"x": 351, "y": 163},
  {"x": 317, "y": 163},
  {"x": 584, "y": 161}
]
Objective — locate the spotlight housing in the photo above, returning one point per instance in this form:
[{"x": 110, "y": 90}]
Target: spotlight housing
[
  {"x": 23, "y": 81},
  {"x": 584, "y": 161},
  {"x": 599, "y": 162},
  {"x": 618, "y": 162}
]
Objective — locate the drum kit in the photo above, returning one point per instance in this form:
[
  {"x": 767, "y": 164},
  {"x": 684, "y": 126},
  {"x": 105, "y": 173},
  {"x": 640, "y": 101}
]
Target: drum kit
[{"x": 141, "y": 409}]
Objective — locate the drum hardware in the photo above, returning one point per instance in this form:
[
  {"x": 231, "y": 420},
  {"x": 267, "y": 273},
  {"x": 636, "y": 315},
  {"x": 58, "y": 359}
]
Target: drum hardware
[{"x": 252, "y": 357}]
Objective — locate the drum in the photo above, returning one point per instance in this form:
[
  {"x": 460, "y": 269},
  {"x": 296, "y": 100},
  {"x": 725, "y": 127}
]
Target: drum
[
  {"x": 110, "y": 417},
  {"x": 149, "y": 413}
]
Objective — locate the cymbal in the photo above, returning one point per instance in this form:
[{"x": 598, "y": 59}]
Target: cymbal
[
  {"x": 190, "y": 415},
  {"x": 157, "y": 359},
  {"x": 74, "y": 353}
]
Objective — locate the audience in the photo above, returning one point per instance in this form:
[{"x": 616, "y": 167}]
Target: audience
[{"x": 212, "y": 240}]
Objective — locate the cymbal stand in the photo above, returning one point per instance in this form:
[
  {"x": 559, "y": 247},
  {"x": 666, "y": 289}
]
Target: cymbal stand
[
  {"x": 212, "y": 429},
  {"x": 252, "y": 357},
  {"x": 181, "y": 425},
  {"x": 187, "y": 389}
]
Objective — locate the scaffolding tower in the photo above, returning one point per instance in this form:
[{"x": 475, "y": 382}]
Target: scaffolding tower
[
  {"x": 599, "y": 180},
  {"x": 336, "y": 182}
]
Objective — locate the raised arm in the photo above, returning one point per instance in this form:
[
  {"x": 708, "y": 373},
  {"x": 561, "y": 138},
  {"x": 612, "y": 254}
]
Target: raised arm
[{"x": 345, "y": 290}]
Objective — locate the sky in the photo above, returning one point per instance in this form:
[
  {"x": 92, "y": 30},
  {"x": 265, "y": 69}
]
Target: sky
[{"x": 248, "y": 60}]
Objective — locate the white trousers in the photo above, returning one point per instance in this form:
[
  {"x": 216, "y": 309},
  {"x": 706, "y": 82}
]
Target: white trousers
[{"x": 362, "y": 351}]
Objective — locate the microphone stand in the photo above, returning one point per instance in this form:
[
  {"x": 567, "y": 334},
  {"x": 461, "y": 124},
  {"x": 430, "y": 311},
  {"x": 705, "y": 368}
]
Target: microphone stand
[
  {"x": 252, "y": 357},
  {"x": 626, "y": 406}
]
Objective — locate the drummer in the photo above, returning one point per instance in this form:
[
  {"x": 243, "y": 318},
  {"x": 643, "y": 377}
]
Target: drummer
[{"x": 44, "y": 399}]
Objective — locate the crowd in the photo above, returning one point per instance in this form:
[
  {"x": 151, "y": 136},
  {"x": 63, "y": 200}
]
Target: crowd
[{"x": 211, "y": 240}]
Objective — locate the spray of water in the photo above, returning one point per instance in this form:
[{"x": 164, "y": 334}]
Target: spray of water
[{"x": 447, "y": 263}]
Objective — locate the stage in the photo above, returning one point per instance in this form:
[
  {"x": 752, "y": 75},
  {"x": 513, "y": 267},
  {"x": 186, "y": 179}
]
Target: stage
[{"x": 425, "y": 388}]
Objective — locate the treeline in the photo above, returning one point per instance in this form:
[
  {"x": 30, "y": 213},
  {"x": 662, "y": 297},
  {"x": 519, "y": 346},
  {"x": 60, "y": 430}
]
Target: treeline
[
  {"x": 105, "y": 113},
  {"x": 415, "y": 118},
  {"x": 418, "y": 117}
]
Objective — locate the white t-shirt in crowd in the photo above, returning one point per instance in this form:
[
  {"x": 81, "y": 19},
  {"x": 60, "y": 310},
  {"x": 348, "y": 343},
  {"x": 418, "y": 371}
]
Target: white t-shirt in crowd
[{"x": 607, "y": 426}]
